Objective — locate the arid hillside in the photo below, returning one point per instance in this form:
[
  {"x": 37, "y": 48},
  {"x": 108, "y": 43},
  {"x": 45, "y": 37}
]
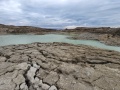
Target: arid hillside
[
  {"x": 100, "y": 30},
  {"x": 10, "y": 29}
]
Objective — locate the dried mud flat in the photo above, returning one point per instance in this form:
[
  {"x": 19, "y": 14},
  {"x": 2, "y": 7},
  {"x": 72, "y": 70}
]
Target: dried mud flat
[{"x": 58, "y": 66}]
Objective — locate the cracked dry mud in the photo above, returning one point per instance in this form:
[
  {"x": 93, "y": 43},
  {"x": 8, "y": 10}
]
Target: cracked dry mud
[{"x": 58, "y": 66}]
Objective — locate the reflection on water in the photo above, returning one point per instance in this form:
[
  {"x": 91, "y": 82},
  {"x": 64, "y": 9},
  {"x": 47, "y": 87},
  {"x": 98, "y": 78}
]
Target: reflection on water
[{"x": 26, "y": 39}]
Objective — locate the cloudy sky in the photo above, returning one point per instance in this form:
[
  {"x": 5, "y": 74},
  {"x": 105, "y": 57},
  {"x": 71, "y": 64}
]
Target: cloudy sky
[{"x": 60, "y": 13}]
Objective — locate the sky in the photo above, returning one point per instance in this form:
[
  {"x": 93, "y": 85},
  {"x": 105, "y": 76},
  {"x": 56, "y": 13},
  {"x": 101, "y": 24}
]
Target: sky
[{"x": 60, "y": 13}]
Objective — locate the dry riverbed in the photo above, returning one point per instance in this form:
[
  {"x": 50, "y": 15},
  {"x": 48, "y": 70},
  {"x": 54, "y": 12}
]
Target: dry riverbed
[{"x": 58, "y": 66}]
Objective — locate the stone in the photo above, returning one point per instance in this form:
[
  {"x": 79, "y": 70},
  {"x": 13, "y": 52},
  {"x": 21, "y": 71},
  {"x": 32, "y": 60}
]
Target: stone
[
  {"x": 23, "y": 86},
  {"x": 35, "y": 65},
  {"x": 18, "y": 80},
  {"x": 52, "y": 88},
  {"x": 3, "y": 59},
  {"x": 45, "y": 86},
  {"x": 80, "y": 86},
  {"x": 23, "y": 66},
  {"x": 66, "y": 82},
  {"x": 31, "y": 74},
  {"x": 52, "y": 78}
]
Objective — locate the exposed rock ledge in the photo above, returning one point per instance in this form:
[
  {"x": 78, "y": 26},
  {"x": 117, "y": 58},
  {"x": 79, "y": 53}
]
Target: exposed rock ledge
[
  {"x": 58, "y": 66},
  {"x": 104, "y": 38}
]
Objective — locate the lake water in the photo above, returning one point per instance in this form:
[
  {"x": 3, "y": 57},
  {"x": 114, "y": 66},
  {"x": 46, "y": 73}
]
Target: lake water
[{"x": 26, "y": 39}]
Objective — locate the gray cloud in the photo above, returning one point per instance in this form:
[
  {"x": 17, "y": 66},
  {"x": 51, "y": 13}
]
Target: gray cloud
[{"x": 60, "y": 13}]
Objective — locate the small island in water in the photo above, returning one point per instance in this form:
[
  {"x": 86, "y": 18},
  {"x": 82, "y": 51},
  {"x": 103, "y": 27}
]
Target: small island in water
[{"x": 83, "y": 58}]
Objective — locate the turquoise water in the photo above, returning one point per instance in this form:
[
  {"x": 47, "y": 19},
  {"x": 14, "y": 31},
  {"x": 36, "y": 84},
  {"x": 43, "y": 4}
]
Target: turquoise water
[{"x": 26, "y": 39}]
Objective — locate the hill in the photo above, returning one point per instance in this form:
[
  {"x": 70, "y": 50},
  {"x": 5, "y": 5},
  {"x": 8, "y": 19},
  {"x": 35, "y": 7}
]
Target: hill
[{"x": 10, "y": 29}]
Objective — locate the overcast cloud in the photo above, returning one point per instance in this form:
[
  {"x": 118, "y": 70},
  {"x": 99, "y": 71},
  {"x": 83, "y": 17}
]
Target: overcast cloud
[{"x": 60, "y": 13}]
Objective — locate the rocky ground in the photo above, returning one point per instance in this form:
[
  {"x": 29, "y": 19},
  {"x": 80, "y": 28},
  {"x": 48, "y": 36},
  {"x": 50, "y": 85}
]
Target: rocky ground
[
  {"x": 58, "y": 66},
  {"x": 107, "y": 35},
  {"x": 104, "y": 38}
]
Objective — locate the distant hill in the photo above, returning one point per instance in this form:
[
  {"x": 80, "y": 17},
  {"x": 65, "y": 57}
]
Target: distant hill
[
  {"x": 11, "y": 29},
  {"x": 101, "y": 30},
  {"x": 22, "y": 29}
]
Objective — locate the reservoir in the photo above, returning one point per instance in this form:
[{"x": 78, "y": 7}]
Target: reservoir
[{"x": 26, "y": 39}]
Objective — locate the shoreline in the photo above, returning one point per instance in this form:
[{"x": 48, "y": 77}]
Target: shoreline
[
  {"x": 103, "y": 38},
  {"x": 107, "y": 35}
]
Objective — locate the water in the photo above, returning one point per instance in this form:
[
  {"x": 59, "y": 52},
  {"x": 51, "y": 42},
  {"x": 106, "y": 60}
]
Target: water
[{"x": 26, "y": 39}]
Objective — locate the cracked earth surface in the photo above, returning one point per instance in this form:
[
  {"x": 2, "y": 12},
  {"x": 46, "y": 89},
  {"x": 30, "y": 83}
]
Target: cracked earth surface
[{"x": 58, "y": 66}]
